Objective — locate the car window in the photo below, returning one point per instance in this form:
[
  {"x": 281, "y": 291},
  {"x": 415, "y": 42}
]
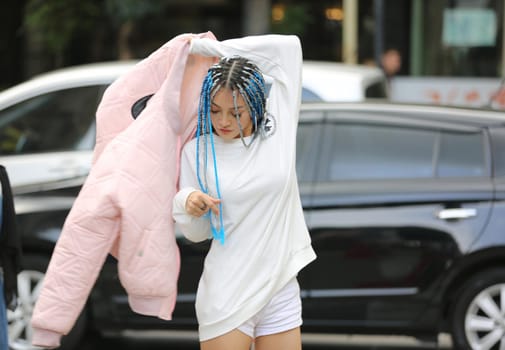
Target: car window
[
  {"x": 361, "y": 151},
  {"x": 56, "y": 121},
  {"x": 307, "y": 142},
  {"x": 310, "y": 96},
  {"x": 461, "y": 154},
  {"x": 498, "y": 144},
  {"x": 367, "y": 151}
]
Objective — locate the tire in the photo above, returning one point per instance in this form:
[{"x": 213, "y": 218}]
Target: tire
[
  {"x": 478, "y": 315},
  {"x": 19, "y": 320}
]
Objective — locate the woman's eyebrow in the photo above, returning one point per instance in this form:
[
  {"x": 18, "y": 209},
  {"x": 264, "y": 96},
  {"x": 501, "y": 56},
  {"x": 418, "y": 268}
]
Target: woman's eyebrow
[{"x": 231, "y": 108}]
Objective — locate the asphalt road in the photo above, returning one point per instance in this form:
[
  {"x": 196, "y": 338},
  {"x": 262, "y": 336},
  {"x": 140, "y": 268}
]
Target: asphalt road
[{"x": 157, "y": 340}]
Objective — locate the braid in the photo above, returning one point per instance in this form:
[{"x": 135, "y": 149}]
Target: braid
[{"x": 239, "y": 75}]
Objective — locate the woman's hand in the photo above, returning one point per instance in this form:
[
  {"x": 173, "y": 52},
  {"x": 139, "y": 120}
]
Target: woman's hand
[{"x": 198, "y": 203}]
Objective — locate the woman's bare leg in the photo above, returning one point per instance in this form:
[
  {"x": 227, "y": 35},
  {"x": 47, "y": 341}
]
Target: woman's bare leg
[
  {"x": 234, "y": 340},
  {"x": 289, "y": 340}
]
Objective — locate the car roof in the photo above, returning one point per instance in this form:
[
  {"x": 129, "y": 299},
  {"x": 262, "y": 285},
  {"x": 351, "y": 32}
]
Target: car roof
[
  {"x": 82, "y": 75},
  {"x": 330, "y": 80},
  {"x": 440, "y": 113}
]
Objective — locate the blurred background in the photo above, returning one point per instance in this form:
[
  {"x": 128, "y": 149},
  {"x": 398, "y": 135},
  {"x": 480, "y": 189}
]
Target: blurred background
[
  {"x": 400, "y": 268},
  {"x": 413, "y": 40}
]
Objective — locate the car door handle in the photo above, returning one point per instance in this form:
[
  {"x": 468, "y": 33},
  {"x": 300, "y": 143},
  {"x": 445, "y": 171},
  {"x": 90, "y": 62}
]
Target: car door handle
[{"x": 456, "y": 213}]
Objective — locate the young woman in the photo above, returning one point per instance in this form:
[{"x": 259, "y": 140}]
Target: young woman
[{"x": 238, "y": 185}]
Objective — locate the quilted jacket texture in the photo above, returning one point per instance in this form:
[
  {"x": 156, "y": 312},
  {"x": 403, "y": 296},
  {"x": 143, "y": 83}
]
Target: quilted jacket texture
[{"x": 124, "y": 207}]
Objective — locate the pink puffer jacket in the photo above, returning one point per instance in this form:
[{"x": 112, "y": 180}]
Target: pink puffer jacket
[{"x": 124, "y": 207}]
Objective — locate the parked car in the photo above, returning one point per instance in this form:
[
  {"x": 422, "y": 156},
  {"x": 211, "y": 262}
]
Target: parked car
[
  {"x": 340, "y": 82},
  {"x": 37, "y": 149},
  {"x": 403, "y": 202}
]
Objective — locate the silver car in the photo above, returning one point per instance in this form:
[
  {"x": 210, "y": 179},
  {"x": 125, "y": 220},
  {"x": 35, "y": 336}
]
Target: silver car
[{"x": 47, "y": 129}]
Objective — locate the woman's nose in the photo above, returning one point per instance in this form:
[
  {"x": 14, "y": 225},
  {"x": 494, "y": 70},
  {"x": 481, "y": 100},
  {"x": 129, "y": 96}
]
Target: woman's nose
[{"x": 225, "y": 119}]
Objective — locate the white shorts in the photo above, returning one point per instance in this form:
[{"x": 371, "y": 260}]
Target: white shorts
[{"x": 282, "y": 313}]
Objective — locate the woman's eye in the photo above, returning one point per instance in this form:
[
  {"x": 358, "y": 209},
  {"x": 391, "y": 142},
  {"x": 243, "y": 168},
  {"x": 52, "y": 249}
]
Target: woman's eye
[{"x": 214, "y": 112}]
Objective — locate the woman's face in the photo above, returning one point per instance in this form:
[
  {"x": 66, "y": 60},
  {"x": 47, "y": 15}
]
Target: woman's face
[{"x": 223, "y": 115}]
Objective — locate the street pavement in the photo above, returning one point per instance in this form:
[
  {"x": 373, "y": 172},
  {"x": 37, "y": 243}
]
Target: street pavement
[{"x": 166, "y": 340}]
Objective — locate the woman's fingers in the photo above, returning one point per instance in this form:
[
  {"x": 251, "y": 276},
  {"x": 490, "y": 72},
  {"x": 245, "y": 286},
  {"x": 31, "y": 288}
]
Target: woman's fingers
[
  {"x": 198, "y": 203},
  {"x": 210, "y": 203},
  {"x": 213, "y": 204}
]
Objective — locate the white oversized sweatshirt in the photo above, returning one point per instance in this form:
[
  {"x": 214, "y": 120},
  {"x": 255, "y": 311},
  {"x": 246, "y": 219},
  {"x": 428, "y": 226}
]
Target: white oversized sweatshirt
[{"x": 267, "y": 242}]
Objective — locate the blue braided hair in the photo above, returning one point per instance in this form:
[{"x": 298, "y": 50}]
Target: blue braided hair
[{"x": 239, "y": 75}]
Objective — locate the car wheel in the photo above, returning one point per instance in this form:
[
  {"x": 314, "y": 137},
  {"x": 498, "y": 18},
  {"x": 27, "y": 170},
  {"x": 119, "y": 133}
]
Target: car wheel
[
  {"x": 478, "y": 315},
  {"x": 29, "y": 285}
]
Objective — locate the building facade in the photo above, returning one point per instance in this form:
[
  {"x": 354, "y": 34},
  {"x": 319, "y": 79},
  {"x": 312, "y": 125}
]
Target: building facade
[{"x": 444, "y": 38}]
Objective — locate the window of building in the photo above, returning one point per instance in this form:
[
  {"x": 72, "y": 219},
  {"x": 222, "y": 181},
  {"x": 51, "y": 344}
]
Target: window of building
[
  {"x": 460, "y": 37},
  {"x": 317, "y": 23}
]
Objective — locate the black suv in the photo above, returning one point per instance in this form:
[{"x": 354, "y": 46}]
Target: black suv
[{"x": 405, "y": 205}]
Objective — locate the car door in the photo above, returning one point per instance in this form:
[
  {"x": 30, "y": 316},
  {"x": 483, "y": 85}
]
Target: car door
[
  {"x": 396, "y": 201},
  {"x": 50, "y": 136},
  {"x": 309, "y": 132}
]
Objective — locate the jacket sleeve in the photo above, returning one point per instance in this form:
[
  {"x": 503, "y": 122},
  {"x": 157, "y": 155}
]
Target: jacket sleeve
[{"x": 86, "y": 238}]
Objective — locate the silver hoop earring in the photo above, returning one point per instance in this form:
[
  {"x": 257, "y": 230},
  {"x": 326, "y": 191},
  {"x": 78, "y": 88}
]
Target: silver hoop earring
[{"x": 268, "y": 125}]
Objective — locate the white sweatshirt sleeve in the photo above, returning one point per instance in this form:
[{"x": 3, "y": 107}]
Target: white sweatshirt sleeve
[
  {"x": 193, "y": 228},
  {"x": 278, "y": 56}
]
